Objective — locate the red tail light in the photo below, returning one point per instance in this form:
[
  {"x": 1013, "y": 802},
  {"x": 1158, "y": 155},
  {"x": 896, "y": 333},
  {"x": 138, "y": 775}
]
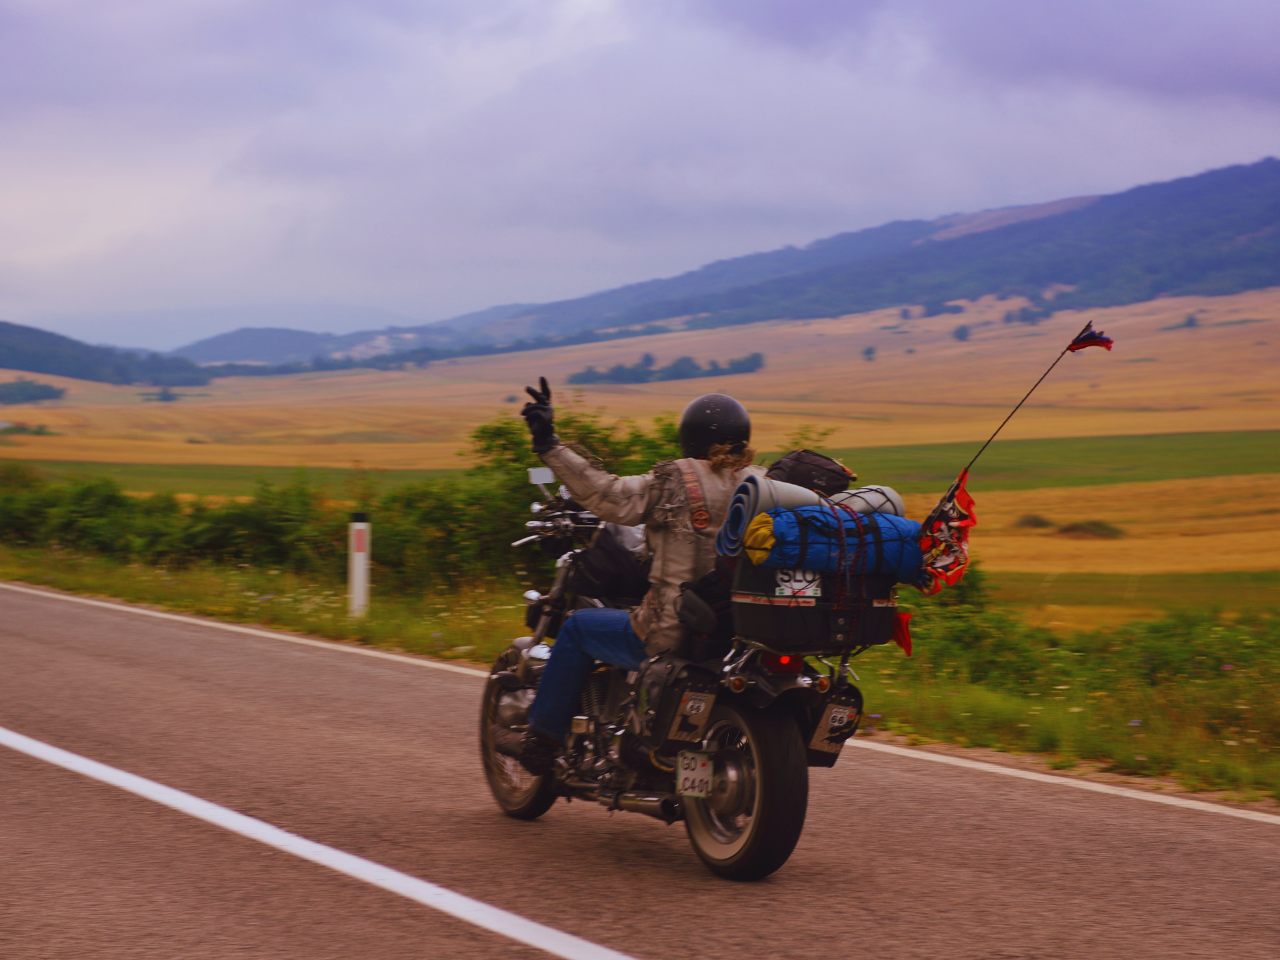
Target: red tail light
[{"x": 781, "y": 663}]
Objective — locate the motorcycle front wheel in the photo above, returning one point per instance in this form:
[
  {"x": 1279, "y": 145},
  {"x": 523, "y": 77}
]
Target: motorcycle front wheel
[
  {"x": 752, "y": 821},
  {"x": 519, "y": 793}
]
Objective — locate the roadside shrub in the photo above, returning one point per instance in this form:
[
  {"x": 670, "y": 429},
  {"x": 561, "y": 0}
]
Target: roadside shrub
[{"x": 435, "y": 532}]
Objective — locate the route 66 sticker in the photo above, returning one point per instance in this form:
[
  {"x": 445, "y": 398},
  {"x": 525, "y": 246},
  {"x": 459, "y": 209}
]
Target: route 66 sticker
[
  {"x": 692, "y": 717},
  {"x": 839, "y": 720}
]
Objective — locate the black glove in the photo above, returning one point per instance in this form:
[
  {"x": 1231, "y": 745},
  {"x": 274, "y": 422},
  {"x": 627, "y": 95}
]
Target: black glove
[{"x": 539, "y": 416}]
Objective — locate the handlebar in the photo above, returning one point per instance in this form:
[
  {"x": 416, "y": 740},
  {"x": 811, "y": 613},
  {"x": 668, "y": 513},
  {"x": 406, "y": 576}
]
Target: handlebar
[{"x": 558, "y": 523}]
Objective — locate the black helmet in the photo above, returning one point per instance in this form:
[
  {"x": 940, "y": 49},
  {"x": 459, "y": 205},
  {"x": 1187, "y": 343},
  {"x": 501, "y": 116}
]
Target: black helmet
[{"x": 710, "y": 420}]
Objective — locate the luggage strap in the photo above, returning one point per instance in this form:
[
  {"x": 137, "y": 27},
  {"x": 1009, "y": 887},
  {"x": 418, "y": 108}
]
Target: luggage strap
[{"x": 699, "y": 515}]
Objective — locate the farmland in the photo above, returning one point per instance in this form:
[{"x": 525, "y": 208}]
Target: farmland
[
  {"x": 924, "y": 386},
  {"x": 917, "y": 468},
  {"x": 1173, "y": 439}
]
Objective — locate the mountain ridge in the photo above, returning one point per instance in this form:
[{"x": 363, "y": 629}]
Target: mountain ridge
[
  {"x": 515, "y": 321},
  {"x": 1214, "y": 232}
]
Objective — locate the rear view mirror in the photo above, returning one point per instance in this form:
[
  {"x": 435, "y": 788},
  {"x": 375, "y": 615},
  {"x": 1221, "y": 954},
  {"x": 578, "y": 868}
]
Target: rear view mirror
[{"x": 541, "y": 475}]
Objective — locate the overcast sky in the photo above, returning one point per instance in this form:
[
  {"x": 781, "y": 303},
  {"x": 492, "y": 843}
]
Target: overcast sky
[{"x": 224, "y": 158}]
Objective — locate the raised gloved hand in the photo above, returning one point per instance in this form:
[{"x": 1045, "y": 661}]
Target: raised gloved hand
[{"x": 539, "y": 416}]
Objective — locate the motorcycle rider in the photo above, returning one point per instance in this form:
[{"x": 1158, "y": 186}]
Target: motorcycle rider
[{"x": 682, "y": 504}]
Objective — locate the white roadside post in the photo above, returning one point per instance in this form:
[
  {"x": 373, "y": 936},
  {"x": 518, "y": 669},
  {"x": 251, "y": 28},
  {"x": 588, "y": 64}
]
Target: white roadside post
[{"x": 358, "y": 544}]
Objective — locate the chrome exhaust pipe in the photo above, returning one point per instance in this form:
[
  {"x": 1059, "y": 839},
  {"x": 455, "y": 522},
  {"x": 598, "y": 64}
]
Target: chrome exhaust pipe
[{"x": 661, "y": 806}]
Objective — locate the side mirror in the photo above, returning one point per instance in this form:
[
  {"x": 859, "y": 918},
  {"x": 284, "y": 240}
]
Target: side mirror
[{"x": 541, "y": 476}]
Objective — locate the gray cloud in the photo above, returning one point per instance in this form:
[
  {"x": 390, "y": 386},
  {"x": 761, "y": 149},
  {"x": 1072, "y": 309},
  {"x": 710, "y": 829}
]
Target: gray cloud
[
  {"x": 431, "y": 159},
  {"x": 1177, "y": 47}
]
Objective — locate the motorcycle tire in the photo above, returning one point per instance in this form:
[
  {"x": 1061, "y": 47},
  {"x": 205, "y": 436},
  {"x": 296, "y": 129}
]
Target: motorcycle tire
[
  {"x": 519, "y": 793},
  {"x": 759, "y": 792}
]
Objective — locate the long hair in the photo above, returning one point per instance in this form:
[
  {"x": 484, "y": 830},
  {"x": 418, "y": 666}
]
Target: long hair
[{"x": 730, "y": 456}]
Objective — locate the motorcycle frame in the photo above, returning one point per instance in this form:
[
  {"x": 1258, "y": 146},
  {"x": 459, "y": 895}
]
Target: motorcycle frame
[{"x": 741, "y": 676}]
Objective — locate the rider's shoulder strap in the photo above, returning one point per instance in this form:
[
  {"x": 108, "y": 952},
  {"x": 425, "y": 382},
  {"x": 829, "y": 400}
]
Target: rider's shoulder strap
[{"x": 699, "y": 515}]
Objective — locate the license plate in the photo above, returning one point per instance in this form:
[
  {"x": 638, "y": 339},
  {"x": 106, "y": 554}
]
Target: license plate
[
  {"x": 799, "y": 583},
  {"x": 693, "y": 774}
]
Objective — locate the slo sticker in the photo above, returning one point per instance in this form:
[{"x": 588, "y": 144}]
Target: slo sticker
[{"x": 799, "y": 583}]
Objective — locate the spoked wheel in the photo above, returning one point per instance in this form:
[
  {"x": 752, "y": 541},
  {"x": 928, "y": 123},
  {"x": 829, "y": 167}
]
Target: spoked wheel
[
  {"x": 759, "y": 793},
  {"x": 518, "y": 792}
]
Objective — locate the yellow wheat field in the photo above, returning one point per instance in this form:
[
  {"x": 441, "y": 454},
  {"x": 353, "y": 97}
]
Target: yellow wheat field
[
  {"x": 924, "y": 386},
  {"x": 1171, "y": 526}
]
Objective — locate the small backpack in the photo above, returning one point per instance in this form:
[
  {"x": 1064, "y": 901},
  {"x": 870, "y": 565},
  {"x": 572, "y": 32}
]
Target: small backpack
[{"x": 812, "y": 471}]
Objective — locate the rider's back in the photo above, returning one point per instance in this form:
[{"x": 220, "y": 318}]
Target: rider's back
[{"x": 682, "y": 504}]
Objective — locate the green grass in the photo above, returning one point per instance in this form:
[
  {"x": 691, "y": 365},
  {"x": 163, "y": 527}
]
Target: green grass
[
  {"x": 1194, "y": 695},
  {"x": 1068, "y": 462},
  {"x": 1234, "y": 592},
  {"x": 473, "y": 624},
  {"x": 925, "y": 468},
  {"x": 223, "y": 481}
]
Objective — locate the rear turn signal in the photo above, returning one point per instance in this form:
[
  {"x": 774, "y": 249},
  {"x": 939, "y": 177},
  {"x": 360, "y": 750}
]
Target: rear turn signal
[{"x": 782, "y": 663}]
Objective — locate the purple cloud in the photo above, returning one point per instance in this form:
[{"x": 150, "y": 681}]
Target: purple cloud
[
  {"x": 1174, "y": 47},
  {"x": 428, "y": 159}
]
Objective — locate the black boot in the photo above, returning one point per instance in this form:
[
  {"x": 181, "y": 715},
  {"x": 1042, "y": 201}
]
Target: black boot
[{"x": 534, "y": 751}]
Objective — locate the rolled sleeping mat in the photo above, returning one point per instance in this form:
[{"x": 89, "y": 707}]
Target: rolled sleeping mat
[
  {"x": 872, "y": 499},
  {"x": 758, "y": 495}
]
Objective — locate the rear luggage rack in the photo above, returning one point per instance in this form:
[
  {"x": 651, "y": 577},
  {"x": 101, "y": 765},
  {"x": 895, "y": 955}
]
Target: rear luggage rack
[{"x": 845, "y": 612}]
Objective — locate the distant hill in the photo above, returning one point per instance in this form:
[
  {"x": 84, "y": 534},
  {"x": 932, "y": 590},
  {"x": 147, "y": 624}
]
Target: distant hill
[
  {"x": 258, "y": 344},
  {"x": 282, "y": 345},
  {"x": 38, "y": 351},
  {"x": 509, "y": 322},
  {"x": 1215, "y": 233}
]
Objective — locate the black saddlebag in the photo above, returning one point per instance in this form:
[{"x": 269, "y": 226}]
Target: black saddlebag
[
  {"x": 674, "y": 702},
  {"x": 803, "y": 611}
]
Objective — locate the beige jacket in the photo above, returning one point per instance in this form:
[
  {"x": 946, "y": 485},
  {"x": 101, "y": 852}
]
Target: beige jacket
[{"x": 659, "y": 499}]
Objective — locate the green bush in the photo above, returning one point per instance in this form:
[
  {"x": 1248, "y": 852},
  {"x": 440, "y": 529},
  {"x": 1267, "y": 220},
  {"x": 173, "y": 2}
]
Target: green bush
[
  {"x": 1194, "y": 694},
  {"x": 434, "y": 532}
]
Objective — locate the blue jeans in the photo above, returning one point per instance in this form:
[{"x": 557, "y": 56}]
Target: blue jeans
[{"x": 585, "y": 637}]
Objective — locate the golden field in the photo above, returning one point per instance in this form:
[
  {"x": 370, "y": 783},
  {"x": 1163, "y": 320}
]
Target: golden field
[
  {"x": 1210, "y": 524},
  {"x": 924, "y": 386}
]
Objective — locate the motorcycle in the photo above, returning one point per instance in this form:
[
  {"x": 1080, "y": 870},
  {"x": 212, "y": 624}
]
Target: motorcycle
[{"x": 723, "y": 740}]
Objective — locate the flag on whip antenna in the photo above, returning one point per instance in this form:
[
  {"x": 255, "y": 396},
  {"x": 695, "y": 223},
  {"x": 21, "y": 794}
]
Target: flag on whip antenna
[{"x": 1090, "y": 337}]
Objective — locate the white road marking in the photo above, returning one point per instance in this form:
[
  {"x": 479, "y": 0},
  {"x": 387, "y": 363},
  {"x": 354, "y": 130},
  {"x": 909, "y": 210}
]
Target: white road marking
[
  {"x": 249, "y": 631},
  {"x": 493, "y": 919},
  {"x": 1077, "y": 784},
  {"x": 1149, "y": 797}
]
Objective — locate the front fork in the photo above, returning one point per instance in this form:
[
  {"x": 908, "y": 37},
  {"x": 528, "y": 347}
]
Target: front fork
[{"x": 549, "y": 601}]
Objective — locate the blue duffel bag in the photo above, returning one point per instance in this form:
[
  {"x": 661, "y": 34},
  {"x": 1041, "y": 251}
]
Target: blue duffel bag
[{"x": 828, "y": 539}]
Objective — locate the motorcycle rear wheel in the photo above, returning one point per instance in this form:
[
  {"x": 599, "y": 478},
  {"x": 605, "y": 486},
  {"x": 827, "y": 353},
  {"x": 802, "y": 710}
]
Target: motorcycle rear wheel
[
  {"x": 519, "y": 793},
  {"x": 752, "y": 822}
]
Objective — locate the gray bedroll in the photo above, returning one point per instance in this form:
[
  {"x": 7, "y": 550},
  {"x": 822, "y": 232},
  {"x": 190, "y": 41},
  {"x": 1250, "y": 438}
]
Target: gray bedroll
[
  {"x": 758, "y": 495},
  {"x": 872, "y": 499}
]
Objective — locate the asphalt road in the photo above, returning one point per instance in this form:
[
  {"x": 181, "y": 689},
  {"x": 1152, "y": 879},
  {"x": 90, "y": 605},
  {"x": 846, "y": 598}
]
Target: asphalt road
[{"x": 900, "y": 858}]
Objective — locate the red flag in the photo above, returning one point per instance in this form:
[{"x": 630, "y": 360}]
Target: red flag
[
  {"x": 1090, "y": 338},
  {"x": 944, "y": 539}
]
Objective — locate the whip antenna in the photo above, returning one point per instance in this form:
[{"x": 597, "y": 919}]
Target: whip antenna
[{"x": 1085, "y": 338}]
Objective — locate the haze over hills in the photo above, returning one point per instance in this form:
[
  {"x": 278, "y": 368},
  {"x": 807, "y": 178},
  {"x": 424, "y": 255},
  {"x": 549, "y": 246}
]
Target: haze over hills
[
  {"x": 512, "y": 321},
  {"x": 1214, "y": 233}
]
